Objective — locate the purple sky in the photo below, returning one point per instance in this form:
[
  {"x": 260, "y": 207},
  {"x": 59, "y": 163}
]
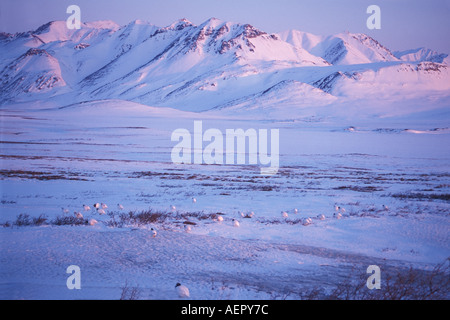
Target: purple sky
[{"x": 405, "y": 24}]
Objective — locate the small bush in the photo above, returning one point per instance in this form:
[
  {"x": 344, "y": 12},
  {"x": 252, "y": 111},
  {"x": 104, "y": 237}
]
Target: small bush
[
  {"x": 23, "y": 219},
  {"x": 411, "y": 284},
  {"x": 6, "y": 224},
  {"x": 199, "y": 215},
  {"x": 69, "y": 221},
  {"x": 133, "y": 218},
  {"x": 39, "y": 220},
  {"x": 148, "y": 216},
  {"x": 423, "y": 196},
  {"x": 130, "y": 293}
]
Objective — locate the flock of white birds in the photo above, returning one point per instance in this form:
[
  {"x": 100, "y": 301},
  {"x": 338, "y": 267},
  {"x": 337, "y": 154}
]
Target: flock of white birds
[
  {"x": 100, "y": 208},
  {"x": 181, "y": 290}
]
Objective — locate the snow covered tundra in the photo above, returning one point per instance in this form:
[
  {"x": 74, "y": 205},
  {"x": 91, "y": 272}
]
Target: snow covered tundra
[{"x": 236, "y": 163}]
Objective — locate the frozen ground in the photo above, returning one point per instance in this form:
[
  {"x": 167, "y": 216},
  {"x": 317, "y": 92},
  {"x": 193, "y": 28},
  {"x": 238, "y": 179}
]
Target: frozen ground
[{"x": 119, "y": 152}]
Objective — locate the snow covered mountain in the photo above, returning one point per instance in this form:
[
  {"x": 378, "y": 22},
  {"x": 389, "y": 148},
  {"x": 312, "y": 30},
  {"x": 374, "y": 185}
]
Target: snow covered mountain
[
  {"x": 347, "y": 48},
  {"x": 342, "y": 48},
  {"x": 33, "y": 72},
  {"x": 422, "y": 54},
  {"x": 213, "y": 66}
]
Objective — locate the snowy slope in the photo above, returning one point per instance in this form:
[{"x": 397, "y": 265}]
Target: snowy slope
[
  {"x": 398, "y": 82},
  {"x": 58, "y": 31},
  {"x": 35, "y": 71},
  {"x": 348, "y": 48},
  {"x": 340, "y": 49},
  {"x": 422, "y": 54},
  {"x": 288, "y": 97},
  {"x": 301, "y": 39}
]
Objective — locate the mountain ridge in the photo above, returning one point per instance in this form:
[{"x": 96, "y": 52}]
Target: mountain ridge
[{"x": 205, "y": 67}]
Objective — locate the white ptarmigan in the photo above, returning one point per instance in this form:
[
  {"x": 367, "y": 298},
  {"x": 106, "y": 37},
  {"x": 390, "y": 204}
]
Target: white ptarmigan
[
  {"x": 104, "y": 206},
  {"x": 153, "y": 231},
  {"x": 321, "y": 217},
  {"x": 220, "y": 218},
  {"x": 78, "y": 215},
  {"x": 337, "y": 215},
  {"x": 119, "y": 206},
  {"x": 247, "y": 215},
  {"x": 86, "y": 207},
  {"x": 235, "y": 223},
  {"x": 101, "y": 211},
  {"x": 93, "y": 222},
  {"x": 182, "y": 291},
  {"x": 284, "y": 214}
]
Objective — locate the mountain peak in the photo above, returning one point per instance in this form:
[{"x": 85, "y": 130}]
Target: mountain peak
[
  {"x": 252, "y": 32},
  {"x": 139, "y": 22},
  {"x": 102, "y": 24},
  {"x": 212, "y": 23},
  {"x": 34, "y": 71},
  {"x": 300, "y": 39},
  {"x": 180, "y": 24},
  {"x": 49, "y": 26},
  {"x": 137, "y": 26},
  {"x": 352, "y": 48},
  {"x": 421, "y": 54}
]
